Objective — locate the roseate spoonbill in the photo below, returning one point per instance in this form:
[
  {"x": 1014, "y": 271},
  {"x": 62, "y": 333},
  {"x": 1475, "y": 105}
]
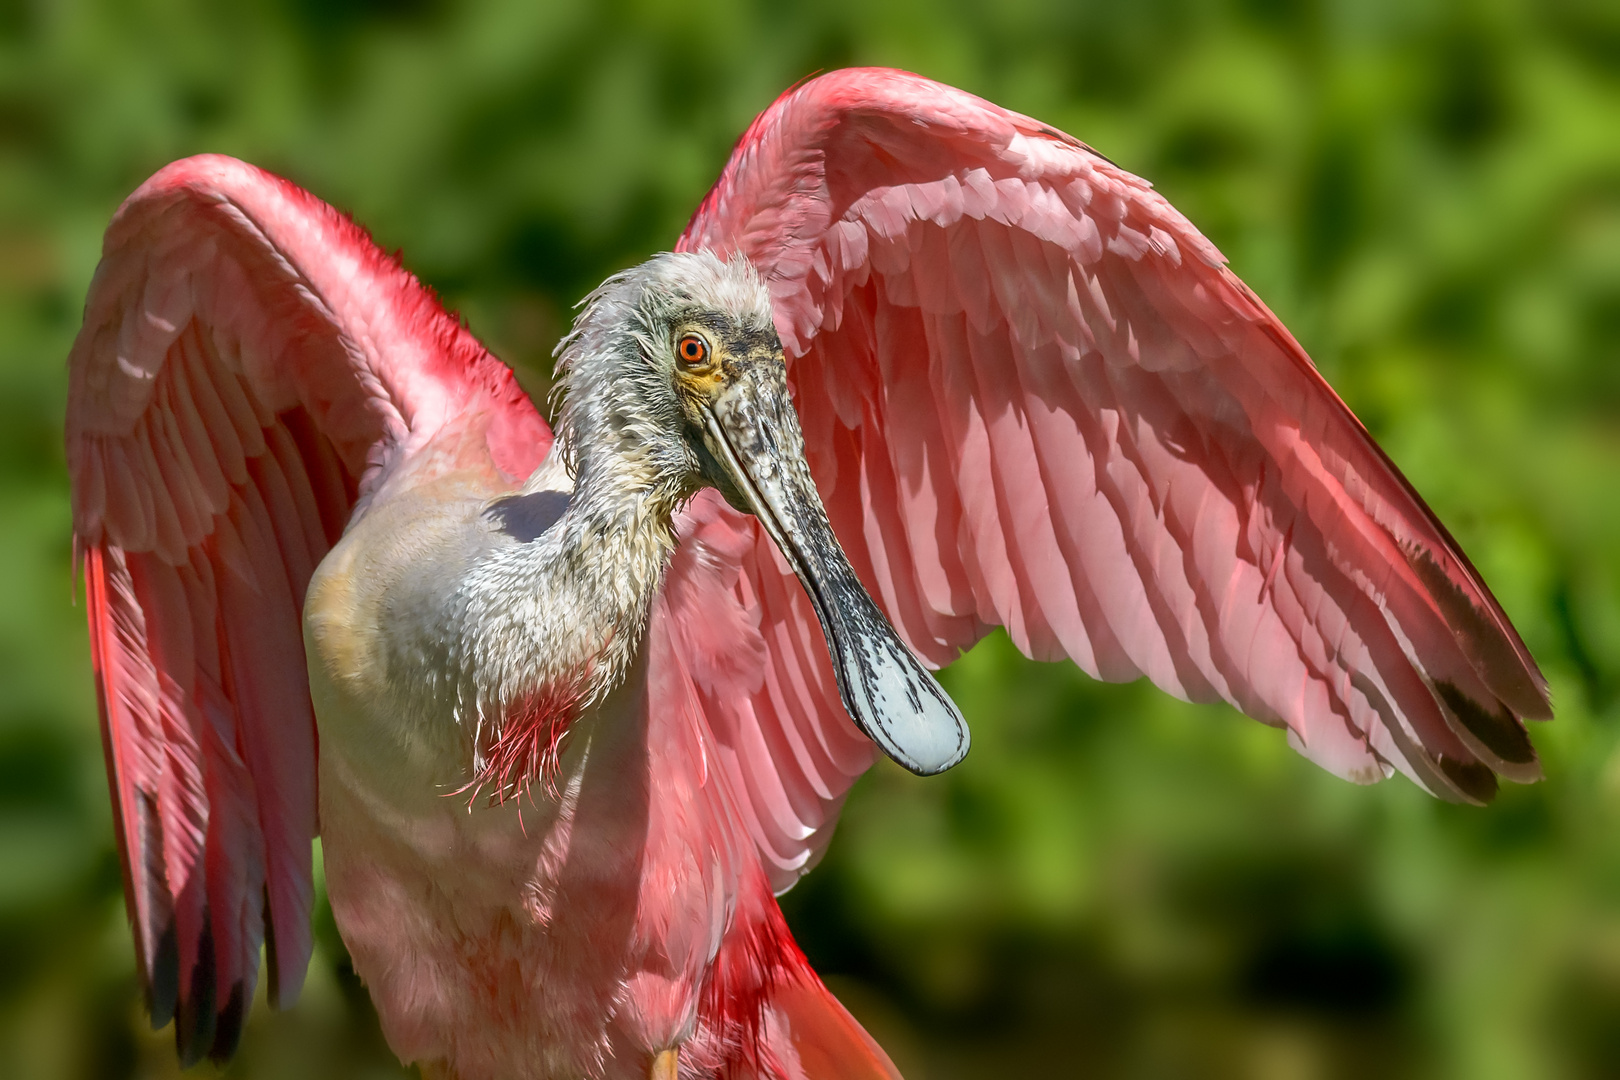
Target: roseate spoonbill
[{"x": 576, "y": 724}]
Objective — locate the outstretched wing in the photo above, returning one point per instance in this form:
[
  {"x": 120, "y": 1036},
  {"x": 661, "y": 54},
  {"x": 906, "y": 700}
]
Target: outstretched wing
[
  {"x": 250, "y": 366},
  {"x": 1034, "y": 396}
]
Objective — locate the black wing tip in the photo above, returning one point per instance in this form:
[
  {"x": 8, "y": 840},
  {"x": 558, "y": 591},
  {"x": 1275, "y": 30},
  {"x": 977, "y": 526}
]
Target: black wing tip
[
  {"x": 162, "y": 984},
  {"x": 194, "y": 1027},
  {"x": 204, "y": 1026},
  {"x": 1469, "y": 773},
  {"x": 228, "y": 1025},
  {"x": 1487, "y": 639},
  {"x": 271, "y": 956},
  {"x": 1499, "y": 739},
  {"x": 1475, "y": 782}
]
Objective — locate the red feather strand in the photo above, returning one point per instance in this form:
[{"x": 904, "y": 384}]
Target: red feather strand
[{"x": 526, "y": 747}]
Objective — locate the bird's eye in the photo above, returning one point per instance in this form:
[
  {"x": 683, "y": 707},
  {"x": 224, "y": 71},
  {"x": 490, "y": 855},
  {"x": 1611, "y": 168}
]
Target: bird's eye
[{"x": 692, "y": 350}]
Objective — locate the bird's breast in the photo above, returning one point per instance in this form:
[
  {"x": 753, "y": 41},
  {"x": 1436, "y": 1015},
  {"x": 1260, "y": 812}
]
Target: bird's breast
[
  {"x": 563, "y": 932},
  {"x": 556, "y": 932}
]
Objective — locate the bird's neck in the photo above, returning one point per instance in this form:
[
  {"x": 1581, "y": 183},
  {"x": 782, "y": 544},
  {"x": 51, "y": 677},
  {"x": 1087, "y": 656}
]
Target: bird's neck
[
  {"x": 616, "y": 536},
  {"x": 572, "y": 606},
  {"x": 620, "y": 491}
]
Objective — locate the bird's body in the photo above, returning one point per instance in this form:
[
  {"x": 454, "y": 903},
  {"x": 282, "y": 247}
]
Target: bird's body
[
  {"x": 583, "y": 706},
  {"x": 533, "y": 909},
  {"x": 582, "y": 886}
]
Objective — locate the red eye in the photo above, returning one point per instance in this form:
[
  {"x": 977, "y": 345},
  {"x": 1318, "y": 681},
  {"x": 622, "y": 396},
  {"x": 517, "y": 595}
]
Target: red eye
[{"x": 692, "y": 349}]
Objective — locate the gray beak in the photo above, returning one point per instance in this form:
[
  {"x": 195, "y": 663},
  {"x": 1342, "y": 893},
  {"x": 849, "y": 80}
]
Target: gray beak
[{"x": 756, "y": 451}]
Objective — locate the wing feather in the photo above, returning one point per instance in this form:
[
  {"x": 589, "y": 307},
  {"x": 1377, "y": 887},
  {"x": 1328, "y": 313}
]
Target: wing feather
[
  {"x": 764, "y": 688},
  {"x": 1033, "y": 395},
  {"x": 249, "y": 368}
]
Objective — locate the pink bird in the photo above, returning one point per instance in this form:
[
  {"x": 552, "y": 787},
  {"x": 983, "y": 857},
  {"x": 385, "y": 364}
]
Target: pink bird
[{"x": 561, "y": 710}]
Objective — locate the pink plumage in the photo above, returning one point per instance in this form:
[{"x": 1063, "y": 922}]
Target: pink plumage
[
  {"x": 250, "y": 360},
  {"x": 1032, "y": 395}
]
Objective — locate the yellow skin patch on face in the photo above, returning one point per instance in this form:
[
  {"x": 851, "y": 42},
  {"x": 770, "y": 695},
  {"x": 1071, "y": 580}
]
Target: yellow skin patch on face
[
  {"x": 698, "y": 384},
  {"x": 704, "y": 384}
]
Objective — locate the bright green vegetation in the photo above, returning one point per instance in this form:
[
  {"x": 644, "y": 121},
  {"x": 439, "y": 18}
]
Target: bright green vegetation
[{"x": 1114, "y": 884}]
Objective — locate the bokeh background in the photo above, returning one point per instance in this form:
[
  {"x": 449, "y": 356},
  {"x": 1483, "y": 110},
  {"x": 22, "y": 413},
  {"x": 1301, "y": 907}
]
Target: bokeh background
[{"x": 1114, "y": 884}]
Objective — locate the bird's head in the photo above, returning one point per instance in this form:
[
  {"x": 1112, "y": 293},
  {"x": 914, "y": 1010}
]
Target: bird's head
[{"x": 674, "y": 379}]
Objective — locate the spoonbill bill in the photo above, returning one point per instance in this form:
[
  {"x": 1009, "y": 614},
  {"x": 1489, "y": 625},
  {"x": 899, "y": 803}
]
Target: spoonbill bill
[{"x": 569, "y": 709}]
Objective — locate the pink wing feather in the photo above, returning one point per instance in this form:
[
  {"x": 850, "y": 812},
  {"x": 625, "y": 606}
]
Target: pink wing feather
[
  {"x": 250, "y": 365},
  {"x": 1034, "y": 396},
  {"x": 751, "y": 646}
]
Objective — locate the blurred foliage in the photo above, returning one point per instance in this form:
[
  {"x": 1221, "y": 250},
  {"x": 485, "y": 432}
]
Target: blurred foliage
[{"x": 1114, "y": 884}]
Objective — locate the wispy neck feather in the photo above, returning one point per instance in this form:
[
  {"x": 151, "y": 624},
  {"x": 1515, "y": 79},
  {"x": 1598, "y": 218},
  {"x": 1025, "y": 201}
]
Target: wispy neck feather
[
  {"x": 569, "y": 609},
  {"x": 552, "y": 627}
]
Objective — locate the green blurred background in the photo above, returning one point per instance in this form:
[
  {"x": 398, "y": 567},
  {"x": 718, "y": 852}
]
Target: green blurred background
[{"x": 1114, "y": 884}]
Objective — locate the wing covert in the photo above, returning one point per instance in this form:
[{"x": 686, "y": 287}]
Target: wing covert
[
  {"x": 251, "y": 366},
  {"x": 1034, "y": 396}
]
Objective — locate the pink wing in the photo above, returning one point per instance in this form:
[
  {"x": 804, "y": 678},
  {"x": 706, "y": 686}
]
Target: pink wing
[
  {"x": 250, "y": 365},
  {"x": 1034, "y": 396},
  {"x": 748, "y": 644}
]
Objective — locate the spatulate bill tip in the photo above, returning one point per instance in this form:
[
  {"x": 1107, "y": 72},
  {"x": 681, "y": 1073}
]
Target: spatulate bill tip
[{"x": 898, "y": 703}]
